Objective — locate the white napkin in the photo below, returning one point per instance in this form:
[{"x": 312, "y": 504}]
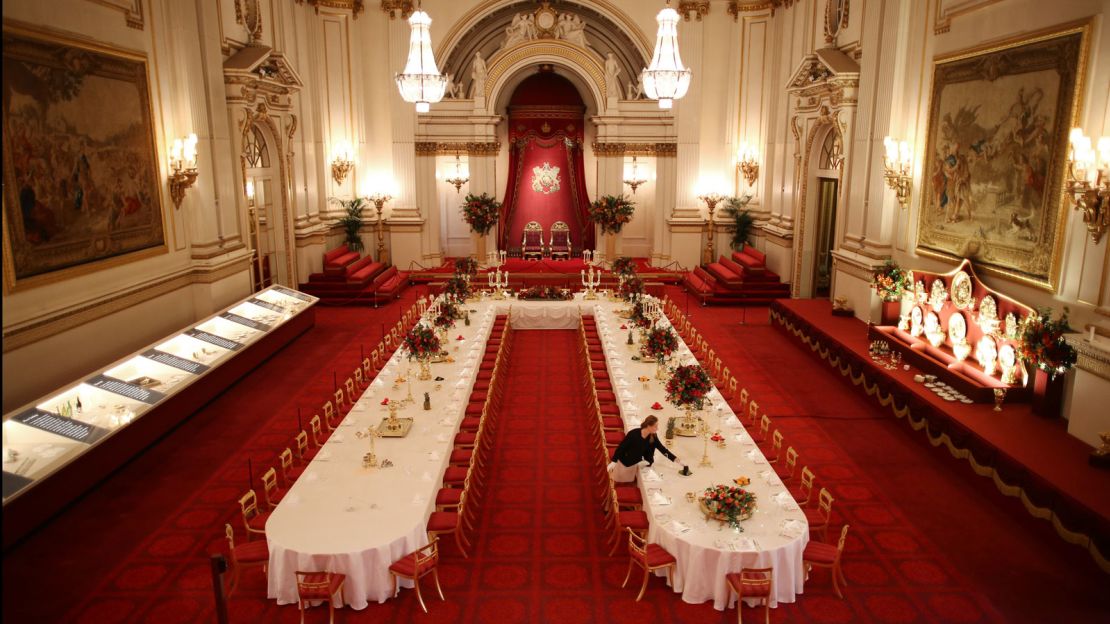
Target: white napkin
[
  {"x": 743, "y": 438},
  {"x": 418, "y": 500},
  {"x": 291, "y": 500},
  {"x": 441, "y": 437},
  {"x": 336, "y": 438},
  {"x": 785, "y": 501},
  {"x": 311, "y": 476},
  {"x": 427, "y": 476},
  {"x": 651, "y": 476},
  {"x": 378, "y": 383},
  {"x": 756, "y": 457},
  {"x": 435, "y": 456},
  {"x": 460, "y": 383},
  {"x": 792, "y": 528},
  {"x": 657, "y": 498},
  {"x": 447, "y": 422},
  {"x": 679, "y": 527},
  {"x": 627, "y": 395},
  {"x": 734, "y": 423},
  {"x": 742, "y": 544},
  {"x": 633, "y": 421},
  {"x": 323, "y": 455},
  {"x": 623, "y": 383}
]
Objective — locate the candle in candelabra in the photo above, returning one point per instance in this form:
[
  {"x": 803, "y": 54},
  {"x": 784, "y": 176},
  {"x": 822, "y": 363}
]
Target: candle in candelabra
[{"x": 506, "y": 280}]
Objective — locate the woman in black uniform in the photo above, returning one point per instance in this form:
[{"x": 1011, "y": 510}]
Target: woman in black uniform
[{"x": 639, "y": 445}]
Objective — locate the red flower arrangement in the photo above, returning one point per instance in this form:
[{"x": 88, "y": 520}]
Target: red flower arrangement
[
  {"x": 458, "y": 287},
  {"x": 638, "y": 318},
  {"x": 730, "y": 503},
  {"x": 1043, "y": 344},
  {"x": 611, "y": 212},
  {"x": 631, "y": 288},
  {"x": 421, "y": 343},
  {"x": 466, "y": 266},
  {"x": 688, "y": 386},
  {"x": 890, "y": 281},
  {"x": 545, "y": 293},
  {"x": 660, "y": 343},
  {"x": 624, "y": 266},
  {"x": 481, "y": 212}
]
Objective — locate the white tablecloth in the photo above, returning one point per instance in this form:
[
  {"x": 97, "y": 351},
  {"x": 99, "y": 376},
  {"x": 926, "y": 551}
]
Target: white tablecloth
[
  {"x": 708, "y": 550},
  {"x": 345, "y": 518}
]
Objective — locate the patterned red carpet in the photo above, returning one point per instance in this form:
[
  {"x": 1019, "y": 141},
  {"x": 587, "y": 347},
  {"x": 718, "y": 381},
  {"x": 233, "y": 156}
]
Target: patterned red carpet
[{"x": 931, "y": 542}]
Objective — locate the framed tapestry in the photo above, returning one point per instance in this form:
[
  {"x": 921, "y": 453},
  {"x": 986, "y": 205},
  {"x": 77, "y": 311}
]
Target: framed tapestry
[
  {"x": 996, "y": 153},
  {"x": 81, "y": 184}
]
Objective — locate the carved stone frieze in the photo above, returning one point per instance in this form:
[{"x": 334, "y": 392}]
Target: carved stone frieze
[
  {"x": 736, "y": 7},
  {"x": 700, "y": 8},
  {"x": 661, "y": 150},
  {"x": 354, "y": 6},
  {"x": 471, "y": 148},
  {"x": 395, "y": 8}
]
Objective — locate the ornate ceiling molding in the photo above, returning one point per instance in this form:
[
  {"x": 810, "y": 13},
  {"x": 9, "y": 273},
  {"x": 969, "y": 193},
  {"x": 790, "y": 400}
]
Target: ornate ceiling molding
[
  {"x": 659, "y": 150},
  {"x": 132, "y": 10},
  {"x": 948, "y": 10},
  {"x": 256, "y": 72},
  {"x": 471, "y": 148},
  {"x": 700, "y": 8},
  {"x": 395, "y": 8},
  {"x": 736, "y": 7}
]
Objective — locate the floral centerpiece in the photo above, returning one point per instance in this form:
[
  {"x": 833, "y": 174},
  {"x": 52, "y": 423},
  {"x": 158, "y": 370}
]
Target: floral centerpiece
[
  {"x": 639, "y": 318},
  {"x": 624, "y": 266},
  {"x": 1043, "y": 344},
  {"x": 728, "y": 503},
  {"x": 688, "y": 386},
  {"x": 458, "y": 287},
  {"x": 611, "y": 213},
  {"x": 445, "y": 320},
  {"x": 481, "y": 212},
  {"x": 466, "y": 266},
  {"x": 631, "y": 288},
  {"x": 545, "y": 293},
  {"x": 660, "y": 343},
  {"x": 421, "y": 344},
  {"x": 890, "y": 281}
]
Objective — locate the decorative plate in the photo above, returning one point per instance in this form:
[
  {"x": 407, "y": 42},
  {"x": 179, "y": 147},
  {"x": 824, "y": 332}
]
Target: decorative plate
[
  {"x": 920, "y": 293},
  {"x": 915, "y": 321},
  {"x": 1007, "y": 357},
  {"x": 938, "y": 296},
  {"x": 932, "y": 323},
  {"x": 957, "y": 327},
  {"x": 986, "y": 353},
  {"x": 961, "y": 290},
  {"x": 1011, "y": 328}
]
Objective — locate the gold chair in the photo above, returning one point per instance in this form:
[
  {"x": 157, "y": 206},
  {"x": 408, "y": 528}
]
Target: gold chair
[
  {"x": 764, "y": 427},
  {"x": 249, "y": 555},
  {"x": 330, "y": 416},
  {"x": 775, "y": 451},
  {"x": 650, "y": 557},
  {"x": 318, "y": 437},
  {"x": 805, "y": 487},
  {"x": 289, "y": 472},
  {"x": 753, "y": 411},
  {"x": 319, "y": 586},
  {"x": 819, "y": 518},
  {"x": 790, "y": 467},
  {"x": 559, "y": 244},
  {"x": 752, "y": 583},
  {"x": 254, "y": 519},
  {"x": 531, "y": 246},
  {"x": 352, "y": 385},
  {"x": 416, "y": 565},
  {"x": 270, "y": 488},
  {"x": 822, "y": 555}
]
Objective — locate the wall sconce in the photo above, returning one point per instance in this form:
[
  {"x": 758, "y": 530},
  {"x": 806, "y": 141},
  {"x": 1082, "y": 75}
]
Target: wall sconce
[
  {"x": 748, "y": 162},
  {"x": 1088, "y": 183},
  {"x": 898, "y": 169},
  {"x": 341, "y": 163},
  {"x": 632, "y": 176},
  {"x": 183, "y": 167},
  {"x": 462, "y": 175},
  {"x": 250, "y": 193}
]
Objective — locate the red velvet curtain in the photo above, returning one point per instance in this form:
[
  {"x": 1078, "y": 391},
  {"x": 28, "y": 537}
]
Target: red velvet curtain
[{"x": 545, "y": 132}]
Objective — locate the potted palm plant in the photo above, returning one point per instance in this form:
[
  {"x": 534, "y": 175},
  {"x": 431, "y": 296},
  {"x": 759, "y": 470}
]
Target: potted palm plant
[{"x": 351, "y": 221}]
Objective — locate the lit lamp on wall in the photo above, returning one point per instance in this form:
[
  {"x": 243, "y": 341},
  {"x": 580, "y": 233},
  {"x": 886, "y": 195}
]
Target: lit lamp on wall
[
  {"x": 341, "y": 162},
  {"x": 462, "y": 175},
  {"x": 898, "y": 169},
  {"x": 183, "y": 167},
  {"x": 421, "y": 81},
  {"x": 1088, "y": 182},
  {"x": 710, "y": 193},
  {"x": 666, "y": 79},
  {"x": 747, "y": 160},
  {"x": 633, "y": 177},
  {"x": 250, "y": 193}
]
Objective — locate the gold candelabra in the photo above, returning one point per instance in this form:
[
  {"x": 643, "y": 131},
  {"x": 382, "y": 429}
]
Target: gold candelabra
[
  {"x": 703, "y": 431},
  {"x": 898, "y": 169},
  {"x": 711, "y": 200},
  {"x": 183, "y": 167},
  {"x": 379, "y": 200},
  {"x": 1088, "y": 182}
]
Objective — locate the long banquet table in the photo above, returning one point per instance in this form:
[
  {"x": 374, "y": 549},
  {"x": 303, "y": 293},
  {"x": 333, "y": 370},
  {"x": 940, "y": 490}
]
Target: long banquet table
[{"x": 341, "y": 517}]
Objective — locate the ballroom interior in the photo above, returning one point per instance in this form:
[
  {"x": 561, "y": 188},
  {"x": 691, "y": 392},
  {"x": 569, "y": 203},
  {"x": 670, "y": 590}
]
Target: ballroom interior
[{"x": 556, "y": 311}]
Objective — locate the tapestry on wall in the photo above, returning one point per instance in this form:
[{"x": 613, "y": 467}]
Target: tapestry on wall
[
  {"x": 80, "y": 171},
  {"x": 996, "y": 152}
]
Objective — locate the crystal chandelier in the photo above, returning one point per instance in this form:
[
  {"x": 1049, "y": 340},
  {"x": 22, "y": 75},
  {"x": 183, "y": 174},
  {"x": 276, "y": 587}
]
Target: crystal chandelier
[
  {"x": 421, "y": 81},
  {"x": 461, "y": 177},
  {"x": 632, "y": 176},
  {"x": 666, "y": 79}
]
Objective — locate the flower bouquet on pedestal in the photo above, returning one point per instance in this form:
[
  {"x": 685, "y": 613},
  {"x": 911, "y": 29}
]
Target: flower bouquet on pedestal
[
  {"x": 659, "y": 344},
  {"x": 422, "y": 344},
  {"x": 611, "y": 213},
  {"x": 728, "y": 504},
  {"x": 687, "y": 389},
  {"x": 466, "y": 266},
  {"x": 481, "y": 212}
]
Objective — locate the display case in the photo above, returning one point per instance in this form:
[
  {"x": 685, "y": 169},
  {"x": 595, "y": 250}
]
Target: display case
[{"x": 59, "y": 445}]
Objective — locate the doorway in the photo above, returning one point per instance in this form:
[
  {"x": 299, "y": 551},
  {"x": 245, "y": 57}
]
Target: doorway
[
  {"x": 264, "y": 198},
  {"x": 826, "y": 227}
]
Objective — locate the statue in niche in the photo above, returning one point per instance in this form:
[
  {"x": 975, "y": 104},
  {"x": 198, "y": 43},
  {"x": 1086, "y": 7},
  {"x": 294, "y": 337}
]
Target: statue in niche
[
  {"x": 612, "y": 70},
  {"x": 477, "y": 76}
]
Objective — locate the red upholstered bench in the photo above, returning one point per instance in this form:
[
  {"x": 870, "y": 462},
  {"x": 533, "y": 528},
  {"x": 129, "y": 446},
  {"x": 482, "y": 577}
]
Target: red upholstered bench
[
  {"x": 699, "y": 281},
  {"x": 336, "y": 260},
  {"x": 392, "y": 287},
  {"x": 723, "y": 274},
  {"x": 751, "y": 258},
  {"x": 731, "y": 265},
  {"x": 363, "y": 272}
]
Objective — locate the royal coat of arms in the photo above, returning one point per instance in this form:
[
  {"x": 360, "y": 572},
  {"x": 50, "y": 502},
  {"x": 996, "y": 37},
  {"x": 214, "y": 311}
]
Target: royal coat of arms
[{"x": 545, "y": 179}]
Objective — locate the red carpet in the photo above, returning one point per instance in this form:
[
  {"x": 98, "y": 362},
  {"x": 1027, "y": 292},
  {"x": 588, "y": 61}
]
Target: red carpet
[{"x": 931, "y": 542}]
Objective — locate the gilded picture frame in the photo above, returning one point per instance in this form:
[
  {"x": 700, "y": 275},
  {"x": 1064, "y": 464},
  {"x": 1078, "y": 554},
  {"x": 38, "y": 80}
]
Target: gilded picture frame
[
  {"x": 82, "y": 184},
  {"x": 996, "y": 150}
]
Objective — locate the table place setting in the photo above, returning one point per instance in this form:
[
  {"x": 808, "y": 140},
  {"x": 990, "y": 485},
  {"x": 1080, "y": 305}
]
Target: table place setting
[
  {"x": 785, "y": 501},
  {"x": 657, "y": 498},
  {"x": 756, "y": 457}
]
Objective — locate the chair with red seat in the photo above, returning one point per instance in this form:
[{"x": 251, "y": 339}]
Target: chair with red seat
[
  {"x": 787, "y": 470},
  {"x": 451, "y": 522},
  {"x": 289, "y": 472},
  {"x": 304, "y": 452},
  {"x": 752, "y": 583},
  {"x": 819, "y": 518},
  {"x": 621, "y": 521},
  {"x": 249, "y": 555},
  {"x": 415, "y": 566},
  {"x": 650, "y": 557},
  {"x": 270, "y": 488},
  {"x": 254, "y": 519},
  {"x": 804, "y": 491},
  {"x": 317, "y": 587},
  {"x": 824, "y": 555}
]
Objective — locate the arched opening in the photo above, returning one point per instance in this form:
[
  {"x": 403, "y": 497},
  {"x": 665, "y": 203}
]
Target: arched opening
[
  {"x": 546, "y": 186},
  {"x": 266, "y": 208},
  {"x": 819, "y": 238}
]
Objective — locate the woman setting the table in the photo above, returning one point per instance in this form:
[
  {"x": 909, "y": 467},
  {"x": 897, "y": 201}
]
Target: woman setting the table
[{"x": 639, "y": 445}]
